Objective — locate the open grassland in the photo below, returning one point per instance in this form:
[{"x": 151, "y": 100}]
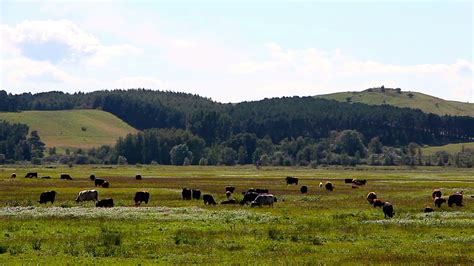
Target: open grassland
[
  {"x": 72, "y": 128},
  {"x": 451, "y": 148},
  {"x": 337, "y": 227}
]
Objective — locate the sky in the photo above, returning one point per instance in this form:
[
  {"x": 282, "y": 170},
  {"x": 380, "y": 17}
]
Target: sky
[{"x": 234, "y": 51}]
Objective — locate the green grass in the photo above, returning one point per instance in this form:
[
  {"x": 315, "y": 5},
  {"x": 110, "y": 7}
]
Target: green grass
[
  {"x": 322, "y": 227},
  {"x": 451, "y": 148},
  {"x": 72, "y": 128},
  {"x": 426, "y": 103}
]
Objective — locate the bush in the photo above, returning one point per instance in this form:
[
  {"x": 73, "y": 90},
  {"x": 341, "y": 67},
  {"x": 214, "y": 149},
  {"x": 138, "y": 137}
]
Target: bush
[
  {"x": 36, "y": 161},
  {"x": 203, "y": 161},
  {"x": 109, "y": 237}
]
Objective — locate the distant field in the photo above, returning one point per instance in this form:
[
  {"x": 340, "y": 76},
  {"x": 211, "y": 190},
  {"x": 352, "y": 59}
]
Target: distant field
[
  {"x": 72, "y": 128},
  {"x": 426, "y": 103},
  {"x": 321, "y": 227},
  {"x": 451, "y": 148}
]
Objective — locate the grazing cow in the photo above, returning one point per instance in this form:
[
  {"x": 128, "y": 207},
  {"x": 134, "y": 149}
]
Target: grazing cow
[
  {"x": 230, "y": 201},
  {"x": 230, "y": 189},
  {"x": 455, "y": 198},
  {"x": 348, "y": 180},
  {"x": 304, "y": 189},
  {"x": 65, "y": 176},
  {"x": 359, "y": 182},
  {"x": 371, "y": 197},
  {"x": 105, "y": 203},
  {"x": 138, "y": 177},
  {"x": 92, "y": 177},
  {"x": 262, "y": 200},
  {"x": 47, "y": 196},
  {"x": 196, "y": 194},
  {"x": 438, "y": 201},
  {"x": 329, "y": 186},
  {"x": 429, "y": 209},
  {"x": 13, "y": 175},
  {"x": 186, "y": 193},
  {"x": 208, "y": 199},
  {"x": 31, "y": 175},
  {"x": 228, "y": 194},
  {"x": 436, "y": 193},
  {"x": 248, "y": 197},
  {"x": 291, "y": 180},
  {"x": 46, "y": 177},
  {"x": 261, "y": 190},
  {"x": 388, "y": 210},
  {"x": 106, "y": 184},
  {"x": 320, "y": 184},
  {"x": 141, "y": 196},
  {"x": 86, "y": 195},
  {"x": 99, "y": 181},
  {"x": 378, "y": 203}
]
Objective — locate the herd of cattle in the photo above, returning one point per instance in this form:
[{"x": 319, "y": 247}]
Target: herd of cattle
[{"x": 253, "y": 197}]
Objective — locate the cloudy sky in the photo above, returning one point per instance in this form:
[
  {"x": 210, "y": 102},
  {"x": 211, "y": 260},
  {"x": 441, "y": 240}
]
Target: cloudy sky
[{"x": 238, "y": 50}]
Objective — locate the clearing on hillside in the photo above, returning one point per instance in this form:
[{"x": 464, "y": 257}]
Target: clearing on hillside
[
  {"x": 72, "y": 128},
  {"x": 451, "y": 148}
]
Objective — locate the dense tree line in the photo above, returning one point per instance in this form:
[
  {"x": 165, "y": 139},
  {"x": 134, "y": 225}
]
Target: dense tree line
[{"x": 17, "y": 145}]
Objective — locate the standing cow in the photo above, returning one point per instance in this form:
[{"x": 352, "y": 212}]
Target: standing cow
[
  {"x": 186, "y": 193},
  {"x": 99, "y": 181},
  {"x": 31, "y": 175},
  {"x": 13, "y": 175},
  {"x": 106, "y": 184},
  {"x": 388, "y": 210},
  {"x": 87, "y": 195},
  {"x": 138, "y": 177},
  {"x": 438, "y": 201},
  {"x": 196, "y": 194},
  {"x": 47, "y": 196},
  {"x": 291, "y": 180},
  {"x": 329, "y": 186},
  {"x": 456, "y": 199},
  {"x": 262, "y": 200},
  {"x": 141, "y": 196},
  {"x": 92, "y": 177},
  {"x": 371, "y": 197},
  {"x": 105, "y": 203},
  {"x": 436, "y": 193},
  {"x": 208, "y": 199},
  {"x": 65, "y": 176},
  {"x": 304, "y": 189}
]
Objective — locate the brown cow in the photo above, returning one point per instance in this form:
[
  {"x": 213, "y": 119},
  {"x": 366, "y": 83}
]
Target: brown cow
[
  {"x": 371, "y": 197},
  {"x": 455, "y": 198},
  {"x": 436, "y": 193},
  {"x": 438, "y": 201}
]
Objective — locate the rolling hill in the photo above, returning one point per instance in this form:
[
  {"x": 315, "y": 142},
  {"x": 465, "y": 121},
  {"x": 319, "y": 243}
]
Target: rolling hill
[
  {"x": 451, "y": 148},
  {"x": 415, "y": 100},
  {"x": 72, "y": 128}
]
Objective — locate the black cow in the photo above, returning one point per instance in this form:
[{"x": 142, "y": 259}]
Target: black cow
[
  {"x": 196, "y": 194},
  {"x": 13, "y": 175},
  {"x": 359, "y": 182},
  {"x": 99, "y": 181},
  {"x": 92, "y": 177},
  {"x": 231, "y": 201},
  {"x": 230, "y": 189},
  {"x": 378, "y": 203},
  {"x": 291, "y": 180},
  {"x": 248, "y": 197},
  {"x": 138, "y": 177},
  {"x": 186, "y": 193},
  {"x": 106, "y": 184},
  {"x": 436, "y": 193},
  {"x": 47, "y": 196},
  {"x": 304, "y": 189},
  {"x": 438, "y": 201},
  {"x": 429, "y": 209},
  {"x": 31, "y": 175},
  {"x": 388, "y": 210},
  {"x": 208, "y": 199},
  {"x": 348, "y": 180},
  {"x": 329, "y": 186},
  {"x": 46, "y": 177},
  {"x": 105, "y": 203},
  {"x": 261, "y": 190},
  {"x": 65, "y": 176},
  {"x": 141, "y": 196},
  {"x": 455, "y": 198}
]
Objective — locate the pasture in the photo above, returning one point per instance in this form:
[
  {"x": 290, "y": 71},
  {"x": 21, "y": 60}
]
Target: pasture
[{"x": 338, "y": 227}]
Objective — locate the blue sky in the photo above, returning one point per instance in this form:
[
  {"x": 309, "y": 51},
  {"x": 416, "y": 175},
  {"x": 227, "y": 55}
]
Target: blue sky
[{"x": 235, "y": 51}]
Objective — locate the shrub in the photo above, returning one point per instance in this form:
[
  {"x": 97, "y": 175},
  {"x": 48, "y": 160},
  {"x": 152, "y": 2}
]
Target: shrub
[{"x": 109, "y": 237}]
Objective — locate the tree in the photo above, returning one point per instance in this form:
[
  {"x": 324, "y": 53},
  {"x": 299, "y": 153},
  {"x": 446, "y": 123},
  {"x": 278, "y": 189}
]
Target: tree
[
  {"x": 122, "y": 160},
  {"x": 37, "y": 147},
  {"x": 349, "y": 142},
  {"x": 375, "y": 146},
  {"x": 227, "y": 156},
  {"x": 179, "y": 154}
]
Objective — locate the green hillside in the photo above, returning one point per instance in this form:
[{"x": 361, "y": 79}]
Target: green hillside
[
  {"x": 416, "y": 100},
  {"x": 72, "y": 128},
  {"x": 451, "y": 148}
]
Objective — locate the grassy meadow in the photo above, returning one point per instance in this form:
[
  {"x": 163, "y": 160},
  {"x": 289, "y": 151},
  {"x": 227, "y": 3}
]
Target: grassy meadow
[
  {"x": 451, "y": 148},
  {"x": 338, "y": 227},
  {"x": 72, "y": 128}
]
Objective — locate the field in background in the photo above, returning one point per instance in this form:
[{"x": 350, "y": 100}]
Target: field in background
[
  {"x": 72, "y": 128},
  {"x": 326, "y": 227},
  {"x": 451, "y": 148}
]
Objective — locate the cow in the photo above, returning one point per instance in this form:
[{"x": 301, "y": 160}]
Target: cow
[
  {"x": 196, "y": 194},
  {"x": 348, "y": 180},
  {"x": 354, "y": 186},
  {"x": 262, "y": 200},
  {"x": 99, "y": 181},
  {"x": 105, "y": 203},
  {"x": 228, "y": 194},
  {"x": 261, "y": 190},
  {"x": 371, "y": 197},
  {"x": 320, "y": 184},
  {"x": 329, "y": 186},
  {"x": 291, "y": 180},
  {"x": 86, "y": 195},
  {"x": 208, "y": 199},
  {"x": 230, "y": 189},
  {"x": 248, "y": 197},
  {"x": 438, "y": 201},
  {"x": 388, "y": 210},
  {"x": 378, "y": 203},
  {"x": 359, "y": 182},
  {"x": 436, "y": 193},
  {"x": 106, "y": 184},
  {"x": 46, "y": 177},
  {"x": 65, "y": 176},
  {"x": 138, "y": 177},
  {"x": 230, "y": 201},
  {"x": 13, "y": 175},
  {"x": 31, "y": 175},
  {"x": 456, "y": 199},
  {"x": 304, "y": 189},
  {"x": 428, "y": 209},
  {"x": 186, "y": 193},
  {"x": 141, "y": 196},
  {"x": 92, "y": 177},
  {"x": 47, "y": 196}
]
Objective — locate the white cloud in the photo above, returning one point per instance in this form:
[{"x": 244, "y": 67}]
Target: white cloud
[{"x": 140, "y": 82}]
